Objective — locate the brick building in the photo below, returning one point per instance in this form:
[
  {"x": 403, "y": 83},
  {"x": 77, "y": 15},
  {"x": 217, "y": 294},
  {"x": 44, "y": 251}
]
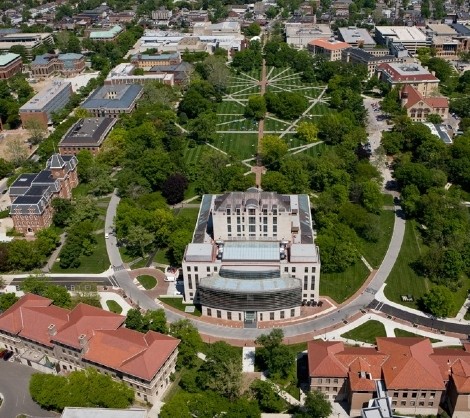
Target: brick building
[
  {"x": 146, "y": 62},
  {"x": 416, "y": 377},
  {"x": 10, "y": 64},
  {"x": 31, "y": 194},
  {"x": 65, "y": 64},
  {"x": 57, "y": 340},
  {"x": 418, "y": 107},
  {"x": 86, "y": 134},
  {"x": 52, "y": 98}
]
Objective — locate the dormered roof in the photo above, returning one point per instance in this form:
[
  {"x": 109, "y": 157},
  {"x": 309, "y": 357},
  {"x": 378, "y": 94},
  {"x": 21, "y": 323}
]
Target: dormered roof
[
  {"x": 56, "y": 161},
  {"x": 131, "y": 352},
  {"x": 414, "y": 97}
]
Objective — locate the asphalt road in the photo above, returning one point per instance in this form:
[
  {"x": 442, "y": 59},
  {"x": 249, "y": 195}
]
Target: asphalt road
[
  {"x": 14, "y": 386},
  {"x": 69, "y": 281}
]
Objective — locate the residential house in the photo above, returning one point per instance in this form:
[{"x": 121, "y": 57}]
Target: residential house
[{"x": 51, "y": 339}]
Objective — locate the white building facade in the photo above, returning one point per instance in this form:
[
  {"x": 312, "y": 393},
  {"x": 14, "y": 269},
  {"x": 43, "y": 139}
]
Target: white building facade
[{"x": 252, "y": 257}]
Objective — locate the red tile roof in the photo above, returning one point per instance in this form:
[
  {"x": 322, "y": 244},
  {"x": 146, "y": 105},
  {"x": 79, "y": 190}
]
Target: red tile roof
[
  {"x": 30, "y": 318},
  {"x": 414, "y": 97},
  {"x": 326, "y": 44},
  {"x": 131, "y": 352},
  {"x": 84, "y": 320},
  {"x": 403, "y": 363},
  {"x": 398, "y": 77}
]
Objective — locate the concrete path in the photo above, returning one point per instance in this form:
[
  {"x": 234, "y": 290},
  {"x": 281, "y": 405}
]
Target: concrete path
[
  {"x": 282, "y": 393},
  {"x": 248, "y": 359},
  {"x": 54, "y": 255},
  {"x": 105, "y": 296},
  {"x": 463, "y": 310}
]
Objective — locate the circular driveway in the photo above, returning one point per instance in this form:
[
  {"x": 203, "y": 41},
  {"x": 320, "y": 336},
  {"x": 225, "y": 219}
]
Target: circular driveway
[{"x": 14, "y": 386}]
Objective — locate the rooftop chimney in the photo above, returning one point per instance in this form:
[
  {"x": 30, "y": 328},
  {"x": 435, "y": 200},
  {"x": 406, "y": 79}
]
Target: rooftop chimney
[{"x": 52, "y": 330}]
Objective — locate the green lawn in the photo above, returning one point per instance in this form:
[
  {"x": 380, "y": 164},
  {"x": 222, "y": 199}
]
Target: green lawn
[
  {"x": 388, "y": 199},
  {"x": 149, "y": 282},
  {"x": 341, "y": 286},
  {"x": 403, "y": 280},
  {"x": 366, "y": 332},
  {"x": 114, "y": 306},
  {"x": 97, "y": 262},
  {"x": 161, "y": 257},
  {"x": 374, "y": 252},
  {"x": 178, "y": 304},
  {"x": 403, "y": 333}
]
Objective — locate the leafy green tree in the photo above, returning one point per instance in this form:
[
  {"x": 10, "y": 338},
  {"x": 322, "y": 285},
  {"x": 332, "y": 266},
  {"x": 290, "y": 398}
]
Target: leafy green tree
[
  {"x": 438, "y": 301},
  {"x": 36, "y": 284},
  {"x": 268, "y": 400},
  {"x": 63, "y": 211},
  {"x": 254, "y": 29},
  {"x": 371, "y": 196},
  {"x": 138, "y": 240},
  {"x": 255, "y": 108},
  {"x": 218, "y": 74},
  {"x": 273, "y": 149},
  {"x": 276, "y": 356},
  {"x": 191, "y": 342},
  {"x": 135, "y": 320},
  {"x": 87, "y": 388},
  {"x": 59, "y": 295},
  {"x": 203, "y": 128},
  {"x": 286, "y": 105},
  {"x": 7, "y": 300},
  {"x": 274, "y": 181},
  {"x": 316, "y": 406},
  {"x": 177, "y": 243},
  {"x": 222, "y": 371},
  {"x": 174, "y": 187},
  {"x": 156, "y": 321},
  {"x": 307, "y": 132}
]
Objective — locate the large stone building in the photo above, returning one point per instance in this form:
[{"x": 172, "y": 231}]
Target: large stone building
[
  {"x": 253, "y": 257},
  {"x": 113, "y": 100},
  {"x": 408, "y": 36},
  {"x": 10, "y": 64},
  {"x": 32, "y": 193},
  {"x": 30, "y": 41},
  {"x": 414, "y": 376},
  {"x": 146, "y": 61},
  {"x": 419, "y": 107},
  {"x": 58, "y": 340},
  {"x": 328, "y": 48},
  {"x": 300, "y": 34},
  {"x": 52, "y": 98},
  {"x": 66, "y": 65}
]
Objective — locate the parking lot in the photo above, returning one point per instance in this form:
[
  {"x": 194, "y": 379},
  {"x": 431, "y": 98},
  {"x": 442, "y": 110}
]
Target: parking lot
[{"x": 14, "y": 386}]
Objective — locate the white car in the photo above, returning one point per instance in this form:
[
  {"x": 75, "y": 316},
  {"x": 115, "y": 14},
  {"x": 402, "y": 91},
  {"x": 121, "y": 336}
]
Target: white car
[{"x": 106, "y": 236}]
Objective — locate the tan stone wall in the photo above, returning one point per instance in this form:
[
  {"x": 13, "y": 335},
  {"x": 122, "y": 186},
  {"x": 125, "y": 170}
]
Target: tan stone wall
[{"x": 39, "y": 116}]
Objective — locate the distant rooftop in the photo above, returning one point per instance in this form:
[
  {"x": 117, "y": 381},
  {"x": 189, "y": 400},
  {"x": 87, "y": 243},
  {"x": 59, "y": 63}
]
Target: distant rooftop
[
  {"x": 88, "y": 131},
  {"x": 114, "y": 97},
  {"x": 5, "y": 59},
  {"x": 40, "y": 100},
  {"x": 402, "y": 33},
  {"x": 353, "y": 35},
  {"x": 106, "y": 34}
]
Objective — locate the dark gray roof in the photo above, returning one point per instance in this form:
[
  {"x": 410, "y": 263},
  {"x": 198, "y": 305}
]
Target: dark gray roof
[
  {"x": 119, "y": 96},
  {"x": 367, "y": 56},
  {"x": 39, "y": 190},
  {"x": 27, "y": 204},
  {"x": 55, "y": 161},
  {"x": 183, "y": 67},
  {"x": 461, "y": 29},
  {"x": 22, "y": 184},
  {"x": 88, "y": 131}
]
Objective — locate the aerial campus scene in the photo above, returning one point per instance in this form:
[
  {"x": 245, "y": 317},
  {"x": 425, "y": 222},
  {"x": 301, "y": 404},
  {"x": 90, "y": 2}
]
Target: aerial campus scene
[{"x": 239, "y": 210}]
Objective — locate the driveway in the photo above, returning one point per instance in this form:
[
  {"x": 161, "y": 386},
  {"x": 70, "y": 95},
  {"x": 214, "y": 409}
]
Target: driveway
[{"x": 14, "y": 385}]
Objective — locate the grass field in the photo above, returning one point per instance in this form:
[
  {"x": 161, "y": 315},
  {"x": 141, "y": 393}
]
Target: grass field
[
  {"x": 341, "y": 286},
  {"x": 374, "y": 252},
  {"x": 114, "y": 306},
  {"x": 149, "y": 282},
  {"x": 403, "y": 333},
  {"x": 403, "y": 280},
  {"x": 366, "y": 332},
  {"x": 178, "y": 304}
]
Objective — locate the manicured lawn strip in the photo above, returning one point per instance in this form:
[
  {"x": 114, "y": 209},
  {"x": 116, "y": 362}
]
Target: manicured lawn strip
[
  {"x": 275, "y": 125},
  {"x": 241, "y": 145},
  {"x": 149, "y": 282},
  {"x": 177, "y": 303},
  {"x": 403, "y": 280},
  {"x": 81, "y": 190},
  {"x": 341, "y": 286},
  {"x": 403, "y": 333},
  {"x": 193, "y": 154},
  {"x": 97, "y": 262},
  {"x": 140, "y": 263},
  {"x": 388, "y": 200},
  {"x": 230, "y": 107},
  {"x": 190, "y": 213},
  {"x": 114, "y": 306},
  {"x": 374, "y": 252},
  {"x": 366, "y": 332},
  {"x": 126, "y": 258},
  {"x": 161, "y": 257}
]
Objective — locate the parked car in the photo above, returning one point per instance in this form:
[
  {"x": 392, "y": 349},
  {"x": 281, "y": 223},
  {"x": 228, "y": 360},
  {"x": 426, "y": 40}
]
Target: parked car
[{"x": 7, "y": 355}]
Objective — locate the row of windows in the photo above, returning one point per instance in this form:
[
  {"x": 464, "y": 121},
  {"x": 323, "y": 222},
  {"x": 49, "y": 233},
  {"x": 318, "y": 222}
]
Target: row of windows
[
  {"x": 238, "y": 211},
  {"x": 282, "y": 314},
  {"x": 414, "y": 395},
  {"x": 294, "y": 269},
  {"x": 327, "y": 381},
  {"x": 251, "y": 228},
  {"x": 196, "y": 269},
  {"x": 411, "y": 403}
]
